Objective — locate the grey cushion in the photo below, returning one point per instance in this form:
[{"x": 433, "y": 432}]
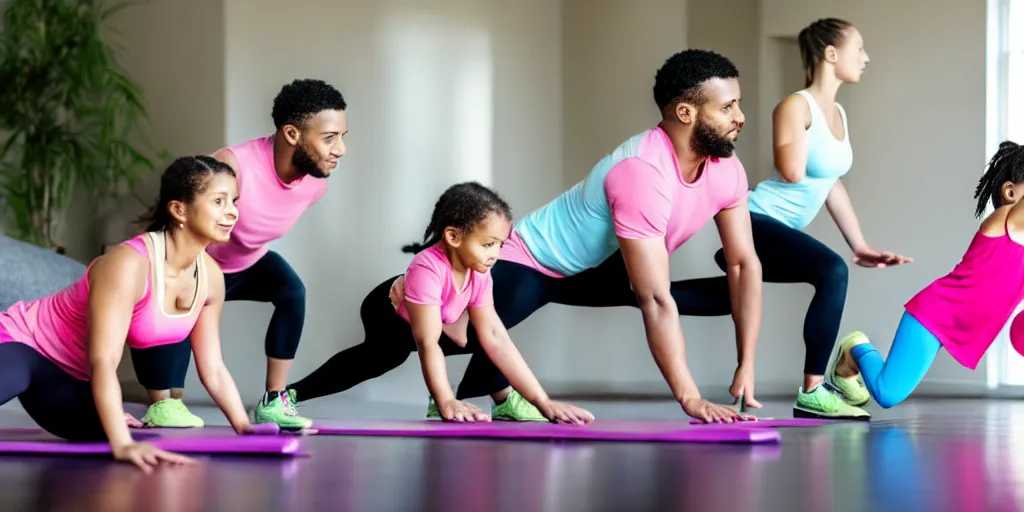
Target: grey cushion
[{"x": 28, "y": 272}]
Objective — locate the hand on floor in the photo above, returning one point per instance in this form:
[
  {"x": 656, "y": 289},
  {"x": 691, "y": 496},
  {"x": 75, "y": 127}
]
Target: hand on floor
[
  {"x": 701, "y": 409},
  {"x": 743, "y": 388},
  {"x": 558, "y": 412},
  {"x": 147, "y": 456},
  {"x": 454, "y": 410},
  {"x": 132, "y": 421}
]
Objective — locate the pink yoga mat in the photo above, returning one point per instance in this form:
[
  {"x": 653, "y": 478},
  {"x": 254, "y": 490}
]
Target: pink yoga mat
[
  {"x": 255, "y": 445},
  {"x": 634, "y": 431}
]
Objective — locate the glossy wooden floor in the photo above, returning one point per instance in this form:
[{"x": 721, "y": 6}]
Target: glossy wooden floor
[{"x": 959, "y": 455}]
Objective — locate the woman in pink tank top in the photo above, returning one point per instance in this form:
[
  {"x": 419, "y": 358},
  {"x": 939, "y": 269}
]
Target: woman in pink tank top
[
  {"x": 59, "y": 354},
  {"x": 447, "y": 285},
  {"x": 962, "y": 311}
]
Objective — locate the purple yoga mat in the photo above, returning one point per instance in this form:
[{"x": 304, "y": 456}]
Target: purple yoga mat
[
  {"x": 766, "y": 423},
  {"x": 255, "y": 445},
  {"x": 634, "y": 431}
]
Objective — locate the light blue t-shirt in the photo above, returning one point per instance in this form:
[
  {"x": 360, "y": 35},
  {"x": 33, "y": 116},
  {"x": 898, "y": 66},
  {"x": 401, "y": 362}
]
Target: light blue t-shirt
[
  {"x": 635, "y": 192},
  {"x": 828, "y": 159}
]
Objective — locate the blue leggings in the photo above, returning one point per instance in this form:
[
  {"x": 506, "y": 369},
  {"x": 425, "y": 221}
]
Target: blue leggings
[{"x": 913, "y": 350}]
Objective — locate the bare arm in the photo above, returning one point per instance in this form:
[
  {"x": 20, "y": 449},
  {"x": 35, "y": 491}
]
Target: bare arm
[
  {"x": 647, "y": 264},
  {"x": 506, "y": 357},
  {"x": 209, "y": 360},
  {"x": 426, "y": 330},
  {"x": 789, "y": 137},
  {"x": 841, "y": 209},
  {"x": 116, "y": 282},
  {"x": 743, "y": 269},
  {"x": 498, "y": 346}
]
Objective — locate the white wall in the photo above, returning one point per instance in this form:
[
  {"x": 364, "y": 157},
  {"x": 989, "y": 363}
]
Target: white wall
[
  {"x": 455, "y": 91},
  {"x": 612, "y": 50},
  {"x": 526, "y": 96}
]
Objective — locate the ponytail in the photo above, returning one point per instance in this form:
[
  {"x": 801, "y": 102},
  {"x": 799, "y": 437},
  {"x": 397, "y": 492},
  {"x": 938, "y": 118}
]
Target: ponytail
[
  {"x": 460, "y": 207},
  {"x": 157, "y": 219},
  {"x": 185, "y": 178},
  {"x": 813, "y": 40}
]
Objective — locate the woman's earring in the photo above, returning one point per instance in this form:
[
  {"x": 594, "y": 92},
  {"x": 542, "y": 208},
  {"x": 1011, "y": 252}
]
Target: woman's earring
[{"x": 181, "y": 225}]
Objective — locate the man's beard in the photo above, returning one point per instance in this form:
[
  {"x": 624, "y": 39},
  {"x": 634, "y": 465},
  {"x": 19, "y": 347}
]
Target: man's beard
[
  {"x": 305, "y": 164},
  {"x": 706, "y": 142}
]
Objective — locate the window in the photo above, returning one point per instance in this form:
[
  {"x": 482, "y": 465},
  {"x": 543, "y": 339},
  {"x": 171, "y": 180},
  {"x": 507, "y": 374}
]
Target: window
[{"x": 1005, "y": 112}]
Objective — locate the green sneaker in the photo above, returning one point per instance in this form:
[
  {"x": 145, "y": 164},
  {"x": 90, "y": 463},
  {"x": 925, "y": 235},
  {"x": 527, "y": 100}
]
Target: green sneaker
[
  {"x": 516, "y": 408},
  {"x": 852, "y": 389},
  {"x": 277, "y": 407},
  {"x": 170, "y": 413},
  {"x": 826, "y": 403}
]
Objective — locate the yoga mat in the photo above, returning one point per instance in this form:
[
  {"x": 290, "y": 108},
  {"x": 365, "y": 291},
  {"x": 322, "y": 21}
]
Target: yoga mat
[
  {"x": 633, "y": 431},
  {"x": 767, "y": 423},
  {"x": 254, "y": 445}
]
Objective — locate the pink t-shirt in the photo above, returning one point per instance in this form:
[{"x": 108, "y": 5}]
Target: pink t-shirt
[
  {"x": 429, "y": 281},
  {"x": 967, "y": 308},
  {"x": 267, "y": 206},
  {"x": 635, "y": 192},
  {"x": 57, "y": 326}
]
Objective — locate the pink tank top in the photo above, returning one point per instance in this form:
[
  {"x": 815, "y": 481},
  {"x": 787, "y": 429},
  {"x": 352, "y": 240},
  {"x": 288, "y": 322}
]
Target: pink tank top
[
  {"x": 267, "y": 206},
  {"x": 58, "y": 325},
  {"x": 967, "y": 308}
]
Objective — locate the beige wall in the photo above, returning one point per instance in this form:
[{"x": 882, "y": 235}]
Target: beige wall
[{"x": 526, "y": 96}]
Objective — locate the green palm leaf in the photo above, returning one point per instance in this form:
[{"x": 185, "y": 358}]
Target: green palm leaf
[{"x": 68, "y": 114}]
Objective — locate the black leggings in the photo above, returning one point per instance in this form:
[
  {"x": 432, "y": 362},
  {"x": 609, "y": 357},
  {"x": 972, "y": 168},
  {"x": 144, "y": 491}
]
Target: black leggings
[
  {"x": 271, "y": 280},
  {"x": 787, "y": 256},
  {"x": 387, "y": 345},
  {"x": 59, "y": 403}
]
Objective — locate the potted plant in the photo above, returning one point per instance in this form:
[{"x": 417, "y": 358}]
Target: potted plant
[{"x": 68, "y": 114}]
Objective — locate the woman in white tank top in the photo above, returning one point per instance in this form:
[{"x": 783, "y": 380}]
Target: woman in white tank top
[{"x": 811, "y": 142}]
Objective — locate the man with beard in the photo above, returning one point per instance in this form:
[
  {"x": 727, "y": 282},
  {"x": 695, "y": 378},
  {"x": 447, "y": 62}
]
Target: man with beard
[
  {"x": 606, "y": 242},
  {"x": 279, "y": 177}
]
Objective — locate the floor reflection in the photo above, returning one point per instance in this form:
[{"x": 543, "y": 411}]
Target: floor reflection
[{"x": 960, "y": 457}]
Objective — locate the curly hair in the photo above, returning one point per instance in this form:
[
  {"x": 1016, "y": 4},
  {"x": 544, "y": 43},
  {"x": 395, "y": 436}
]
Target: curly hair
[
  {"x": 302, "y": 99},
  {"x": 462, "y": 207},
  {"x": 682, "y": 75}
]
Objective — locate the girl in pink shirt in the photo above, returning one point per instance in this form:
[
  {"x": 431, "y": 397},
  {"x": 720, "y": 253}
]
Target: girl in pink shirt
[
  {"x": 447, "y": 284},
  {"x": 59, "y": 354},
  {"x": 962, "y": 311}
]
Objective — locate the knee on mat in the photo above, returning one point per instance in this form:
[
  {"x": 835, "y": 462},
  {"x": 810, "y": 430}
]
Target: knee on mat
[{"x": 65, "y": 425}]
